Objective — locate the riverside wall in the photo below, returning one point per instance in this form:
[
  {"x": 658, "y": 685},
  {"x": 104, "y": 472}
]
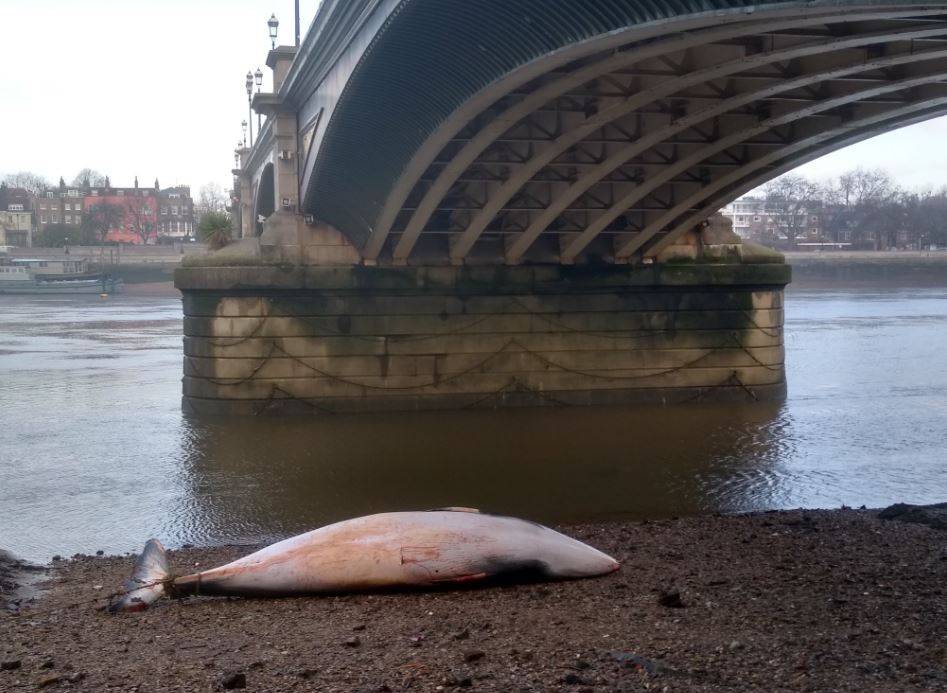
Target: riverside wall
[
  {"x": 869, "y": 268},
  {"x": 107, "y": 255},
  {"x": 134, "y": 264},
  {"x": 365, "y": 339}
]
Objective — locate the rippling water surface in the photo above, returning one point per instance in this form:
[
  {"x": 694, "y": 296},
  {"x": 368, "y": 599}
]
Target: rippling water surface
[{"x": 96, "y": 454}]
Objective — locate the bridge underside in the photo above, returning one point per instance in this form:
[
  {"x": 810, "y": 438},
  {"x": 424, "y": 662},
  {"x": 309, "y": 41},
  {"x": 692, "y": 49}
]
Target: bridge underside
[
  {"x": 466, "y": 153},
  {"x": 602, "y": 130}
]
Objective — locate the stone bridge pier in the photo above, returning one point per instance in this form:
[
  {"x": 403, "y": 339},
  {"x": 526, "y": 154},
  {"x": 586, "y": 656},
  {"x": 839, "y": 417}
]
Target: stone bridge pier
[{"x": 301, "y": 330}]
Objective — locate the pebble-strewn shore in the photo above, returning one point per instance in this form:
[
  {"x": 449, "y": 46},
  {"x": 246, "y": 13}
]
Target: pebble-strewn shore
[{"x": 803, "y": 600}]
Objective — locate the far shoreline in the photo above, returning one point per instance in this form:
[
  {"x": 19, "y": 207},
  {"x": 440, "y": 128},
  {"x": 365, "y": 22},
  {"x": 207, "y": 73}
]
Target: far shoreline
[{"x": 811, "y": 270}]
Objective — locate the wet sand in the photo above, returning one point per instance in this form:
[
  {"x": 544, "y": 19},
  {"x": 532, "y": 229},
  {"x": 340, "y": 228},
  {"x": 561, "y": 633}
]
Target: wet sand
[
  {"x": 18, "y": 581},
  {"x": 804, "y": 600}
]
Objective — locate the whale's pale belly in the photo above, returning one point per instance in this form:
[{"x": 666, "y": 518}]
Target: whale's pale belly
[{"x": 403, "y": 549}]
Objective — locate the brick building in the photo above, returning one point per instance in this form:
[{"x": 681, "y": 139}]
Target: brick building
[
  {"x": 16, "y": 229},
  {"x": 16, "y": 217},
  {"x": 15, "y": 199},
  {"x": 175, "y": 213},
  {"x": 137, "y": 220},
  {"x": 147, "y": 215},
  {"x": 62, "y": 205}
]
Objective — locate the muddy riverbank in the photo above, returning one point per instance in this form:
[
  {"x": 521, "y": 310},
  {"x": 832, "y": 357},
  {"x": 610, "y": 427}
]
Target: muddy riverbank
[
  {"x": 17, "y": 581},
  {"x": 814, "y": 600}
]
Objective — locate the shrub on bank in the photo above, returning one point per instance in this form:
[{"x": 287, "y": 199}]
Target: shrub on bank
[{"x": 216, "y": 229}]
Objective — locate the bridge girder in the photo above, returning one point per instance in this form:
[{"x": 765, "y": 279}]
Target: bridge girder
[{"x": 616, "y": 143}]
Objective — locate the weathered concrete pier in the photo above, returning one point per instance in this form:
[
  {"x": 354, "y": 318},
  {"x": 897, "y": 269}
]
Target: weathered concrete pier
[
  {"x": 513, "y": 203},
  {"x": 338, "y": 339}
]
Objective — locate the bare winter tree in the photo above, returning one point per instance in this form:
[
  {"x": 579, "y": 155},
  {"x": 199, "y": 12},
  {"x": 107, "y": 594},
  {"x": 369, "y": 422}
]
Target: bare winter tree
[
  {"x": 793, "y": 198},
  {"x": 865, "y": 208},
  {"x": 88, "y": 177},
  {"x": 59, "y": 235},
  {"x": 872, "y": 187},
  {"x": 27, "y": 180},
  {"x": 139, "y": 220},
  {"x": 859, "y": 207},
  {"x": 211, "y": 198},
  {"x": 101, "y": 218},
  {"x": 926, "y": 217}
]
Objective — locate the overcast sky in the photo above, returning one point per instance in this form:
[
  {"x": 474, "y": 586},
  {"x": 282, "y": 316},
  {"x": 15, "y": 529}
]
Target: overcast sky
[{"x": 154, "y": 88}]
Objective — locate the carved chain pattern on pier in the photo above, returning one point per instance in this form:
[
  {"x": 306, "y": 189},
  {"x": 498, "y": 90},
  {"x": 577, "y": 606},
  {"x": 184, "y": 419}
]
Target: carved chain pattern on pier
[
  {"x": 234, "y": 382},
  {"x": 517, "y": 385},
  {"x": 731, "y": 338},
  {"x": 514, "y": 385},
  {"x": 241, "y": 340},
  {"x": 732, "y": 380}
]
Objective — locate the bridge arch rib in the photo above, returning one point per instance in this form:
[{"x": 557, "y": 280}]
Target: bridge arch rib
[
  {"x": 556, "y": 130},
  {"x": 790, "y": 158}
]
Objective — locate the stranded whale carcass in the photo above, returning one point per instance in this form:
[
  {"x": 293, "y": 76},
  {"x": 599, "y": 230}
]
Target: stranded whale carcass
[{"x": 390, "y": 550}]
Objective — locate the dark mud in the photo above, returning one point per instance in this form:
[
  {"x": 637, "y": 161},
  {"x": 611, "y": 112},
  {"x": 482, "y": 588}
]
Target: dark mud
[{"x": 788, "y": 601}]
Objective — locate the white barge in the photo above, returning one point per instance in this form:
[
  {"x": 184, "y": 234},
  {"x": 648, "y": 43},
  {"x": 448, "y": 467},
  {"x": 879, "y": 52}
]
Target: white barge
[{"x": 53, "y": 276}]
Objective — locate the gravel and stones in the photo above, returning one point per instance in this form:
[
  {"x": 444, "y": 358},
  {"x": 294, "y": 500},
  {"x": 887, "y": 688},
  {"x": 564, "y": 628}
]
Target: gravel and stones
[{"x": 787, "y": 601}]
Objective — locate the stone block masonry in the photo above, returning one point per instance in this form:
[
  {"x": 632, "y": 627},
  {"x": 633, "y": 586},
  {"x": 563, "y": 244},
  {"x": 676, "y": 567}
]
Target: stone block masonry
[{"x": 366, "y": 339}]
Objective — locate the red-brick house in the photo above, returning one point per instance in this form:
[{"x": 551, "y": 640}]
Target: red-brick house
[{"x": 139, "y": 212}]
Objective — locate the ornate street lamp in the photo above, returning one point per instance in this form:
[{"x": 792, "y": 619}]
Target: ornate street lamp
[
  {"x": 258, "y": 80},
  {"x": 273, "y": 24},
  {"x": 249, "y": 84},
  {"x": 243, "y": 126},
  {"x": 297, "y": 23}
]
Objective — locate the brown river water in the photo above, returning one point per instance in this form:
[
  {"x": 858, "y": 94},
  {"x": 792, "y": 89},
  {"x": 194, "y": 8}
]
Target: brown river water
[{"x": 96, "y": 454}]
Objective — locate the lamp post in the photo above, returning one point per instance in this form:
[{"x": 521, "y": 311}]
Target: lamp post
[
  {"x": 249, "y": 84},
  {"x": 297, "y": 23},
  {"x": 273, "y": 24},
  {"x": 258, "y": 80},
  {"x": 243, "y": 126}
]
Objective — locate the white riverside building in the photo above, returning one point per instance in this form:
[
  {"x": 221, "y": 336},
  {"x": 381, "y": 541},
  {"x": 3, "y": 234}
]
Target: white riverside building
[{"x": 753, "y": 221}]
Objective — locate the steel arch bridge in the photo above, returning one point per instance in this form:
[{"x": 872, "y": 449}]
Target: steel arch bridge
[{"x": 568, "y": 131}]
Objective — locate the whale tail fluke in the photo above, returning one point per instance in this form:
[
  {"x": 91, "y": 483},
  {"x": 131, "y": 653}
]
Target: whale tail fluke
[{"x": 149, "y": 580}]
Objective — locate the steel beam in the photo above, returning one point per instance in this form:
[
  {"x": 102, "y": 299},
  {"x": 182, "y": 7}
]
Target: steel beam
[
  {"x": 423, "y": 159},
  {"x": 928, "y": 112},
  {"x": 695, "y": 200},
  {"x": 619, "y": 159},
  {"x": 522, "y": 174}
]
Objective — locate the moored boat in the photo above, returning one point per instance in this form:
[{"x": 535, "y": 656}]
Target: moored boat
[
  {"x": 19, "y": 276},
  {"x": 106, "y": 285}
]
